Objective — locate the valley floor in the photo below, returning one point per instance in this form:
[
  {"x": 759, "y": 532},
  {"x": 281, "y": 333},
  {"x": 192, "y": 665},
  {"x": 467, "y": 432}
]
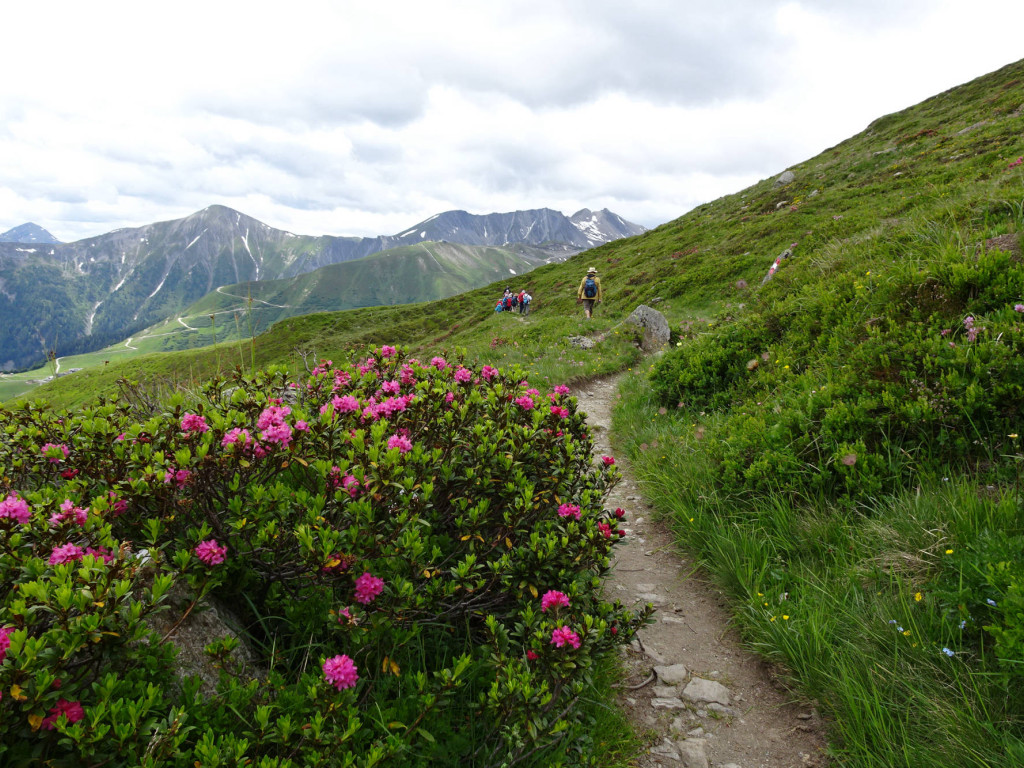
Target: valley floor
[{"x": 726, "y": 708}]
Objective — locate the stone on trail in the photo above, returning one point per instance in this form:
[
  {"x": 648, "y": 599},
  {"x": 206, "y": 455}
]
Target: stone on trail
[
  {"x": 694, "y": 753},
  {"x": 673, "y": 674},
  {"x": 666, "y": 749},
  {"x": 665, "y": 692},
  {"x": 699, "y": 689},
  {"x": 667, "y": 703}
]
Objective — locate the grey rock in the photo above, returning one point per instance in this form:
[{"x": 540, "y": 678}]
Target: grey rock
[
  {"x": 696, "y": 733},
  {"x": 666, "y": 749},
  {"x": 582, "y": 342},
  {"x": 656, "y": 331},
  {"x": 665, "y": 692},
  {"x": 786, "y": 177},
  {"x": 709, "y": 691},
  {"x": 668, "y": 703},
  {"x": 729, "y": 765},
  {"x": 673, "y": 674},
  {"x": 694, "y": 753}
]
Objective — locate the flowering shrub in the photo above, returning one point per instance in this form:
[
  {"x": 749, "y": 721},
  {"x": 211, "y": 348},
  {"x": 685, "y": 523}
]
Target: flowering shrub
[
  {"x": 381, "y": 534},
  {"x": 849, "y": 387}
]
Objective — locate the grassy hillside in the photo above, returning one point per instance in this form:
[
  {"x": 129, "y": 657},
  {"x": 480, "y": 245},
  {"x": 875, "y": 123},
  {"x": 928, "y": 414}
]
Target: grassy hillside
[{"x": 840, "y": 445}]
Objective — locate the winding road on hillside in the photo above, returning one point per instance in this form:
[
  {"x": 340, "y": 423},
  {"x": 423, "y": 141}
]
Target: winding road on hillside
[{"x": 703, "y": 699}]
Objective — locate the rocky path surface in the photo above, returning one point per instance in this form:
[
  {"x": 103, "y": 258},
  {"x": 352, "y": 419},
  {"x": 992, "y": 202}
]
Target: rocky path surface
[{"x": 694, "y": 693}]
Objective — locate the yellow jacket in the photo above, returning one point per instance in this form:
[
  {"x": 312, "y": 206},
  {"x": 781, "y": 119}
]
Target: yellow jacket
[{"x": 579, "y": 291}]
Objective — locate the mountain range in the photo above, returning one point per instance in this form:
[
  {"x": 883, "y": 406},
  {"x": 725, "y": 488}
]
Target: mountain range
[
  {"x": 27, "y": 233},
  {"x": 81, "y": 296}
]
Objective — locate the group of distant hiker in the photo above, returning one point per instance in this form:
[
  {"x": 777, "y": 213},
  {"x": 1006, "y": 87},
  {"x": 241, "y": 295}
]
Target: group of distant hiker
[
  {"x": 511, "y": 301},
  {"x": 588, "y": 294}
]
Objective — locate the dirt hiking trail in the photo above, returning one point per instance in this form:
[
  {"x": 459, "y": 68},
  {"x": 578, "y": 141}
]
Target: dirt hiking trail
[{"x": 696, "y": 696}]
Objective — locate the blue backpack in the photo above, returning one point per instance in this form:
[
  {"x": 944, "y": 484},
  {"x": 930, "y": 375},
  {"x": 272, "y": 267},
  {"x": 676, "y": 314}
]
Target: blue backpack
[{"x": 590, "y": 288}]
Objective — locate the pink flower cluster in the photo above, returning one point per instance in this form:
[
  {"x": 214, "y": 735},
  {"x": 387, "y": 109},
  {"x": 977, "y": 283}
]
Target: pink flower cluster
[
  {"x": 401, "y": 442},
  {"x": 15, "y": 508},
  {"x": 55, "y": 452},
  {"x": 408, "y": 376},
  {"x": 5, "y": 641},
  {"x": 564, "y": 636},
  {"x": 1016, "y": 162},
  {"x": 972, "y": 330},
  {"x": 608, "y": 461},
  {"x": 463, "y": 375},
  {"x": 488, "y": 373},
  {"x": 367, "y": 588},
  {"x": 178, "y": 477},
  {"x": 525, "y": 402},
  {"x": 346, "y": 404},
  {"x": 273, "y": 428},
  {"x": 237, "y": 436},
  {"x": 569, "y": 510},
  {"x": 194, "y": 424},
  {"x": 387, "y": 351},
  {"x": 560, "y": 412},
  {"x": 68, "y": 511},
  {"x": 553, "y": 599},
  {"x": 322, "y": 368},
  {"x": 210, "y": 552},
  {"x": 341, "y": 672},
  {"x": 387, "y": 408},
  {"x": 72, "y": 709},
  {"x": 65, "y": 554},
  {"x": 439, "y": 362}
]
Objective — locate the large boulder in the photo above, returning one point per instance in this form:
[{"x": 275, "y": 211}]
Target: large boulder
[
  {"x": 656, "y": 331},
  {"x": 786, "y": 177}
]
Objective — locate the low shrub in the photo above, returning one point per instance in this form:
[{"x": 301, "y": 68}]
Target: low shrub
[{"x": 412, "y": 551}]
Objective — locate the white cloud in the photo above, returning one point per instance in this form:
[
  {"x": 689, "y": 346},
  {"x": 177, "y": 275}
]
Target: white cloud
[{"x": 364, "y": 118}]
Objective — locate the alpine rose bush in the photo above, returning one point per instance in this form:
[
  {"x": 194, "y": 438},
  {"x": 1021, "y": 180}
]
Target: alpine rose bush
[{"x": 302, "y": 512}]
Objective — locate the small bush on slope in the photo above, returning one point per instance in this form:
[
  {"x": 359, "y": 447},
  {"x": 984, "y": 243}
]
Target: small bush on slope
[{"x": 419, "y": 546}]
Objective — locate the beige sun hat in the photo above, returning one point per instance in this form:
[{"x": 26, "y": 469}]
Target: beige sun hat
[{"x": 591, "y": 271}]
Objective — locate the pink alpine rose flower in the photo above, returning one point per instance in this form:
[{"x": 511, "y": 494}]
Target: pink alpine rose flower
[
  {"x": 608, "y": 461},
  {"x": 5, "y": 641},
  {"x": 560, "y": 412},
  {"x": 210, "y": 552},
  {"x": 564, "y": 636},
  {"x": 72, "y": 709},
  {"x": 463, "y": 375},
  {"x": 488, "y": 372},
  {"x": 65, "y": 554},
  {"x": 525, "y": 402},
  {"x": 387, "y": 351},
  {"x": 439, "y": 362},
  {"x": 193, "y": 423},
  {"x": 569, "y": 510},
  {"x": 367, "y": 588},
  {"x": 402, "y": 443},
  {"x": 553, "y": 599},
  {"x": 55, "y": 452},
  {"x": 341, "y": 672},
  {"x": 15, "y": 508}
]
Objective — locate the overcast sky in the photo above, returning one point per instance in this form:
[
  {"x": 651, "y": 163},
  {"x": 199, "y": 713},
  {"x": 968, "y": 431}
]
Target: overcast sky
[{"x": 364, "y": 118}]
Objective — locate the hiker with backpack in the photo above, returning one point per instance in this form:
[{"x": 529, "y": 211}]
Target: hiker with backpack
[
  {"x": 589, "y": 291},
  {"x": 524, "y": 303}
]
